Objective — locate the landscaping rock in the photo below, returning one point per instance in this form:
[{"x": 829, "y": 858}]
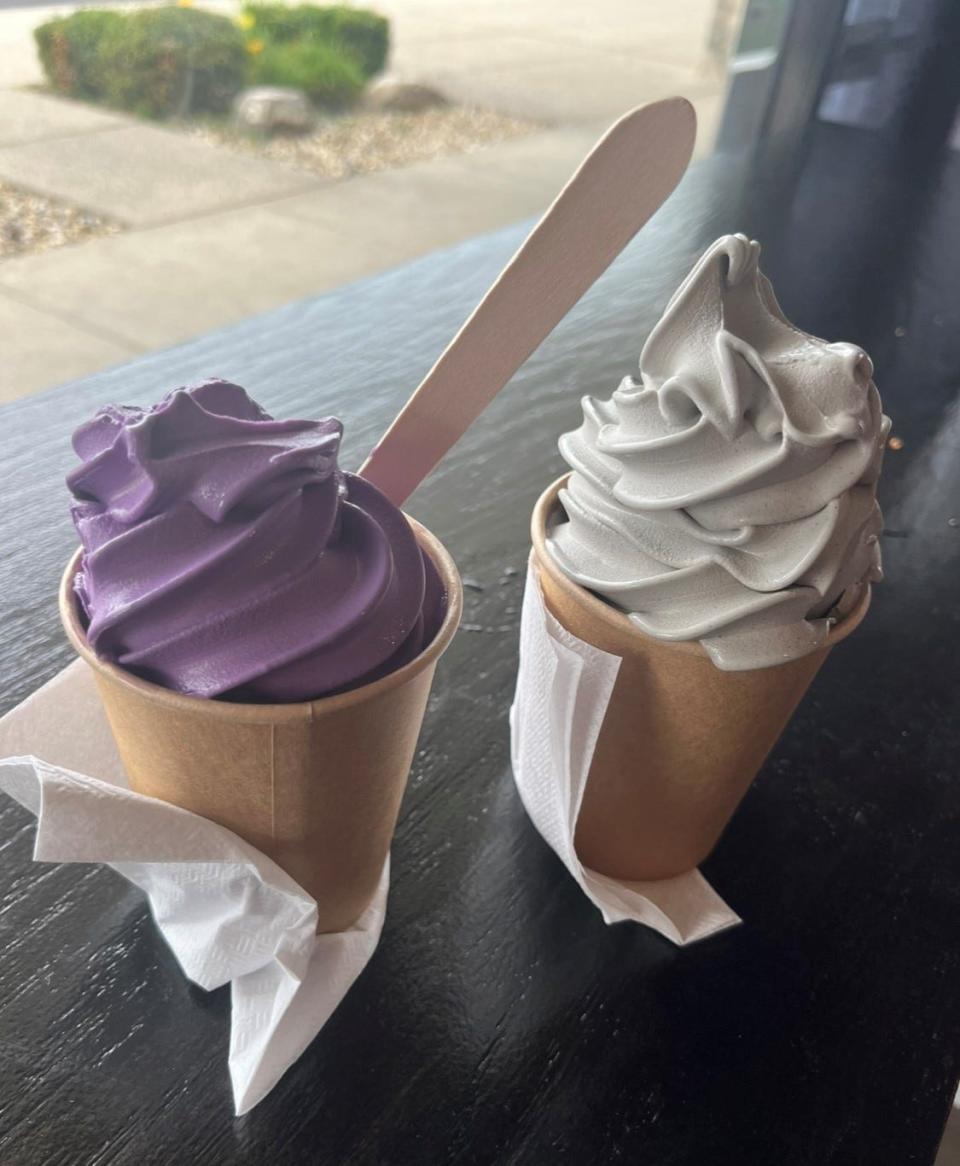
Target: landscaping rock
[
  {"x": 393, "y": 95},
  {"x": 269, "y": 109}
]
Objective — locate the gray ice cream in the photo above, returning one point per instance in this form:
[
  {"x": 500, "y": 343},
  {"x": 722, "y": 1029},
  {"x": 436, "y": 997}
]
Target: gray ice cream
[{"x": 728, "y": 495}]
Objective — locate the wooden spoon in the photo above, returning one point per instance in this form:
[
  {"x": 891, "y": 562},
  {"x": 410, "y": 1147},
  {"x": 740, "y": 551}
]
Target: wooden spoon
[{"x": 625, "y": 178}]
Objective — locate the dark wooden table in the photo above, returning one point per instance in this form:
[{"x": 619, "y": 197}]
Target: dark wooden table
[{"x": 500, "y": 1021}]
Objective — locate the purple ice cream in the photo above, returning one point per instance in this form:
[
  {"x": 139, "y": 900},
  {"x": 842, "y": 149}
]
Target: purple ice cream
[{"x": 226, "y": 555}]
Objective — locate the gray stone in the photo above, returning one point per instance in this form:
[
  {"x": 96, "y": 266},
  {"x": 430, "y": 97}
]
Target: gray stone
[
  {"x": 269, "y": 108},
  {"x": 392, "y": 94}
]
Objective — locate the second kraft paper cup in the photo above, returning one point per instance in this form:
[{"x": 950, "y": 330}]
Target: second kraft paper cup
[{"x": 681, "y": 739}]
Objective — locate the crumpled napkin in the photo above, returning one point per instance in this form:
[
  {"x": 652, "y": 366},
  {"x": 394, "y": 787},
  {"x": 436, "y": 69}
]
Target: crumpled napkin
[
  {"x": 228, "y": 913},
  {"x": 563, "y": 688}
]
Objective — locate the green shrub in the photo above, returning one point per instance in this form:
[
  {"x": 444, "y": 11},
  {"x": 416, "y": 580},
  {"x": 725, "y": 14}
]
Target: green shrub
[
  {"x": 69, "y": 50},
  {"x": 170, "y": 62},
  {"x": 160, "y": 62},
  {"x": 362, "y": 34},
  {"x": 323, "y": 72}
]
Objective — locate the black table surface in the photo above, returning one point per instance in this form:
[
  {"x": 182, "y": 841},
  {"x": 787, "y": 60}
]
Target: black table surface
[{"x": 500, "y": 1021}]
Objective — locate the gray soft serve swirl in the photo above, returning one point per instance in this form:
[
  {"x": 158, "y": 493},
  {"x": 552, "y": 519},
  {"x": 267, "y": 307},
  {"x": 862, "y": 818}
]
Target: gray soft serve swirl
[{"x": 728, "y": 496}]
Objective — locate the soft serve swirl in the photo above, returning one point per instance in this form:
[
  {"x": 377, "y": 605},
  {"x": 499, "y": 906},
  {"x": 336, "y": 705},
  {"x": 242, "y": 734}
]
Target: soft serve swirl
[
  {"x": 728, "y": 496},
  {"x": 226, "y": 555}
]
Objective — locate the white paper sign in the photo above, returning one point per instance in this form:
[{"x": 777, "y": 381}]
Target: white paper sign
[
  {"x": 228, "y": 913},
  {"x": 563, "y": 688}
]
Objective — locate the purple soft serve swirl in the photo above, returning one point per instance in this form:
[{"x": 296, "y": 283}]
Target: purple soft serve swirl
[{"x": 226, "y": 555}]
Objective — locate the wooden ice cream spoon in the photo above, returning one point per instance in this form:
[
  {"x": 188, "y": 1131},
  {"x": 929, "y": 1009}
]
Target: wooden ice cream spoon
[{"x": 629, "y": 173}]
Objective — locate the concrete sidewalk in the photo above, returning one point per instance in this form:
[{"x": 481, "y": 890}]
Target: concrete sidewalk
[{"x": 215, "y": 236}]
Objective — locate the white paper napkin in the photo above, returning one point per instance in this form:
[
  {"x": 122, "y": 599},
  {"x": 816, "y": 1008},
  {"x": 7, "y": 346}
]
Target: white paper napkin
[
  {"x": 563, "y": 688},
  {"x": 228, "y": 913}
]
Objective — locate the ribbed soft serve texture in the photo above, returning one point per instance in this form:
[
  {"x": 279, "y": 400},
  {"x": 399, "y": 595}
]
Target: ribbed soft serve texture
[
  {"x": 729, "y": 495},
  {"x": 226, "y": 555}
]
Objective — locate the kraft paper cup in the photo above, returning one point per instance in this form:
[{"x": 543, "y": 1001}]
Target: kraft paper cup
[
  {"x": 681, "y": 740},
  {"x": 315, "y": 785}
]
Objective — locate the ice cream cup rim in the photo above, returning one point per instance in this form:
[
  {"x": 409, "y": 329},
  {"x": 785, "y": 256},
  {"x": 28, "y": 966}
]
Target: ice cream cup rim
[
  {"x": 275, "y": 713},
  {"x": 618, "y": 622}
]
